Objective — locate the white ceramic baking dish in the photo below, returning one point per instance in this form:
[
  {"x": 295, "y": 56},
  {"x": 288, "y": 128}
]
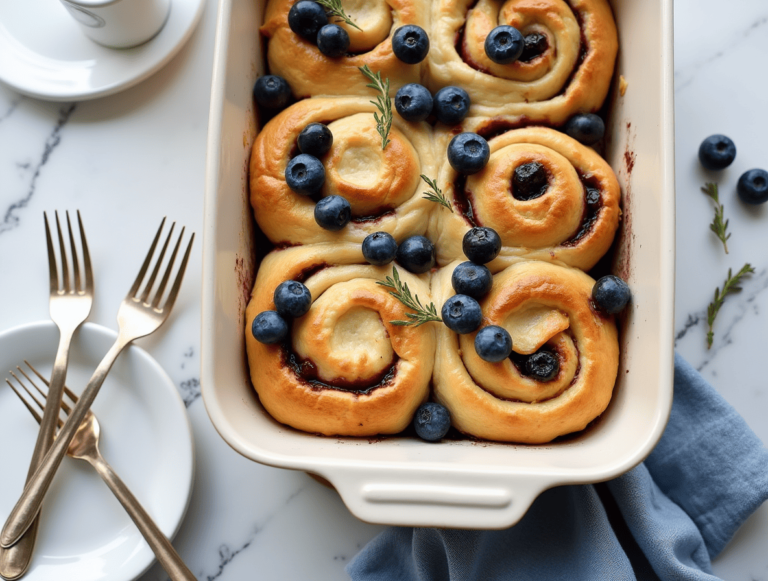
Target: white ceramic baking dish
[{"x": 403, "y": 481}]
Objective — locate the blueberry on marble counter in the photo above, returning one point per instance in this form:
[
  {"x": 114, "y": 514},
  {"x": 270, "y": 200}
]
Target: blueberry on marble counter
[
  {"x": 586, "y": 128},
  {"x": 305, "y": 174},
  {"x": 481, "y": 244},
  {"x": 493, "y": 344},
  {"x": 504, "y": 44},
  {"x": 468, "y": 153},
  {"x": 611, "y": 294},
  {"x": 753, "y": 187},
  {"x": 410, "y": 43},
  {"x": 432, "y": 421},
  {"x": 272, "y": 92},
  {"x": 315, "y": 139},
  {"x": 269, "y": 327},
  {"x": 413, "y": 102},
  {"x": 451, "y": 105},
  {"x": 333, "y": 213},
  {"x": 333, "y": 40},
  {"x": 292, "y": 299},
  {"x": 379, "y": 248},
  {"x": 306, "y": 18},
  {"x": 542, "y": 366},
  {"x": 461, "y": 314},
  {"x": 416, "y": 254},
  {"x": 717, "y": 152},
  {"x": 474, "y": 280}
]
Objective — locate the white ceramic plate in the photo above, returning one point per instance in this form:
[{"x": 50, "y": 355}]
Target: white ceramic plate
[
  {"x": 145, "y": 436},
  {"x": 43, "y": 52}
]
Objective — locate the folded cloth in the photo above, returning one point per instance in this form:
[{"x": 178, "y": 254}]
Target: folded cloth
[{"x": 665, "y": 519}]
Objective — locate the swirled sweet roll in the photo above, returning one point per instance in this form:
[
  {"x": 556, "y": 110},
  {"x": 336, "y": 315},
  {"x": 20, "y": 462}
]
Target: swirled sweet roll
[
  {"x": 566, "y": 68},
  {"x": 382, "y": 186},
  {"x": 310, "y": 73},
  {"x": 548, "y": 197},
  {"x": 544, "y": 307},
  {"x": 346, "y": 369}
]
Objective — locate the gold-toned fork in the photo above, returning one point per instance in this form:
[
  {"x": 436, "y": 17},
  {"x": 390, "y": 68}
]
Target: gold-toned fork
[
  {"x": 85, "y": 446},
  {"x": 138, "y": 316},
  {"x": 70, "y": 303}
]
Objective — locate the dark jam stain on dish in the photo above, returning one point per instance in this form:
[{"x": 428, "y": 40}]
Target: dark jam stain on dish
[{"x": 306, "y": 371}]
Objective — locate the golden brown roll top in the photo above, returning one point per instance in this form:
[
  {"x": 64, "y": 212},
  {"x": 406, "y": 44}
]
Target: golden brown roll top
[
  {"x": 542, "y": 306},
  {"x": 310, "y": 73},
  {"x": 566, "y": 69},
  {"x": 382, "y": 186},
  {"x": 548, "y": 197},
  {"x": 346, "y": 369}
]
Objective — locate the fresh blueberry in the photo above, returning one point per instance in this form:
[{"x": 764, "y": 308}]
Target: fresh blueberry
[
  {"x": 333, "y": 40},
  {"x": 504, "y": 44},
  {"x": 471, "y": 279},
  {"x": 753, "y": 186},
  {"x": 451, "y": 105},
  {"x": 379, "y": 248},
  {"x": 542, "y": 366},
  {"x": 432, "y": 421},
  {"x": 586, "y": 128},
  {"x": 481, "y": 245},
  {"x": 305, "y": 174},
  {"x": 292, "y": 299},
  {"x": 461, "y": 314},
  {"x": 269, "y": 327},
  {"x": 272, "y": 92},
  {"x": 611, "y": 294},
  {"x": 413, "y": 102},
  {"x": 468, "y": 153},
  {"x": 315, "y": 139},
  {"x": 717, "y": 152},
  {"x": 410, "y": 44},
  {"x": 306, "y": 18},
  {"x": 493, "y": 344},
  {"x": 416, "y": 254},
  {"x": 333, "y": 213}
]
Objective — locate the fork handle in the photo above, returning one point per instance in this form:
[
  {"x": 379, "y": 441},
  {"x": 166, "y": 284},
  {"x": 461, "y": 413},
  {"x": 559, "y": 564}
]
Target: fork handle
[
  {"x": 160, "y": 545},
  {"x": 28, "y": 505}
]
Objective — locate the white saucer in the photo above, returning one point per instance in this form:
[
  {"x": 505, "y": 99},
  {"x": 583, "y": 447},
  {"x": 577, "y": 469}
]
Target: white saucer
[
  {"x": 145, "y": 435},
  {"x": 43, "y": 52}
]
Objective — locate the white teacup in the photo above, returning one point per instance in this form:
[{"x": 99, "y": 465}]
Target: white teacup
[{"x": 119, "y": 23}]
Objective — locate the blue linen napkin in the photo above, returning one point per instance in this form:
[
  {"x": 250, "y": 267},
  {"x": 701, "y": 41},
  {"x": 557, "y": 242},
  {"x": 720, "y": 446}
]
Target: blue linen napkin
[{"x": 663, "y": 520}]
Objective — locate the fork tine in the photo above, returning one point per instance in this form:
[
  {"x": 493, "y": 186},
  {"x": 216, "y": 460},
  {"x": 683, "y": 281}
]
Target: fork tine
[
  {"x": 147, "y": 260},
  {"x": 32, "y": 410},
  {"x": 69, "y": 393},
  {"x": 167, "y": 275},
  {"x": 153, "y": 276},
  {"x": 63, "y": 254},
  {"x": 75, "y": 261},
  {"x": 86, "y": 257},
  {"x": 179, "y": 276},
  {"x": 64, "y": 406},
  {"x": 53, "y": 275}
]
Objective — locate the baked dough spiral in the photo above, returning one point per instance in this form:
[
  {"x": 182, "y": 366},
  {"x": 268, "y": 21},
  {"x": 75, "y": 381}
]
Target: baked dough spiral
[
  {"x": 347, "y": 370},
  {"x": 572, "y": 74},
  {"x": 310, "y": 73},
  {"x": 572, "y": 221},
  {"x": 540, "y": 304},
  {"x": 382, "y": 186}
]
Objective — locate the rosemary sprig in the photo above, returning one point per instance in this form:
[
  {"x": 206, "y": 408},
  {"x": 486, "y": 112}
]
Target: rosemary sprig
[
  {"x": 436, "y": 195},
  {"x": 717, "y": 226},
  {"x": 383, "y": 103},
  {"x": 729, "y": 286},
  {"x": 402, "y": 293},
  {"x": 334, "y": 8}
]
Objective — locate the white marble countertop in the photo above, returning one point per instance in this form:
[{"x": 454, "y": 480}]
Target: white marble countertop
[{"x": 129, "y": 159}]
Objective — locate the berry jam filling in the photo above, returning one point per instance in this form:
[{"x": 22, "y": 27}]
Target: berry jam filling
[
  {"x": 544, "y": 365},
  {"x": 462, "y": 200},
  {"x": 530, "y": 181},
  {"x": 591, "y": 211},
  {"x": 306, "y": 371},
  {"x": 536, "y": 44}
]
